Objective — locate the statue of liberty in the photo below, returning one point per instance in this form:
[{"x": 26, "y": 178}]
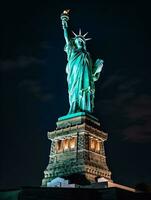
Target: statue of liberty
[{"x": 81, "y": 72}]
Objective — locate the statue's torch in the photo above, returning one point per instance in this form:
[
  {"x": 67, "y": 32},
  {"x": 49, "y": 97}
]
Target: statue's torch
[{"x": 65, "y": 17}]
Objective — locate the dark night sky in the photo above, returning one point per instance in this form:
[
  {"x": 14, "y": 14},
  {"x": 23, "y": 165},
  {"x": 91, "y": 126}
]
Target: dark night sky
[{"x": 34, "y": 88}]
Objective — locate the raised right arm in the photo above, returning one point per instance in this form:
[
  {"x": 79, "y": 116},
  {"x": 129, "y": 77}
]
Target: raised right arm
[
  {"x": 65, "y": 18},
  {"x": 65, "y": 29}
]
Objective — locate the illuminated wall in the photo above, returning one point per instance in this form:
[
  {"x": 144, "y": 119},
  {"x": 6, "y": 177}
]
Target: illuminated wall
[{"x": 66, "y": 144}]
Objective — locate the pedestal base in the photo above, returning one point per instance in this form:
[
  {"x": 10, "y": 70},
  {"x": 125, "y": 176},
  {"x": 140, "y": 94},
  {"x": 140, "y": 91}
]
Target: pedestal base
[{"x": 77, "y": 150}]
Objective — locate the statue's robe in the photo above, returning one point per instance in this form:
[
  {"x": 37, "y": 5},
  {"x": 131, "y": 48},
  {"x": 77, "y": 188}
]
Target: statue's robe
[{"x": 80, "y": 78}]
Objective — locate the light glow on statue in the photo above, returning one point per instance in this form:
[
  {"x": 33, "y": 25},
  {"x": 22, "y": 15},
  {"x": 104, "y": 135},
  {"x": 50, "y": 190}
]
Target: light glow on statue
[{"x": 80, "y": 69}]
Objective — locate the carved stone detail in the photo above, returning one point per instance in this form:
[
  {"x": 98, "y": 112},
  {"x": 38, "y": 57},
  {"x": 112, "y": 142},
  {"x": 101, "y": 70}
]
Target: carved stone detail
[{"x": 79, "y": 160}]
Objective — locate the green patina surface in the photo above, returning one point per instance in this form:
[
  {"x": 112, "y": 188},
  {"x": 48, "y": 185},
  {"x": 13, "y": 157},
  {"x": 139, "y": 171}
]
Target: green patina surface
[
  {"x": 78, "y": 114},
  {"x": 80, "y": 69}
]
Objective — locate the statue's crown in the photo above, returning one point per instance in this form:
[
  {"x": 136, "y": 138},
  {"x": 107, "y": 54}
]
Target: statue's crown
[{"x": 81, "y": 36}]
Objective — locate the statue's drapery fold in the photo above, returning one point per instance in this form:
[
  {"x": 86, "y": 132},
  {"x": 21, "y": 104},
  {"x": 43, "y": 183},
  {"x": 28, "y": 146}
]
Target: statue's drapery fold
[
  {"x": 81, "y": 72},
  {"x": 79, "y": 78}
]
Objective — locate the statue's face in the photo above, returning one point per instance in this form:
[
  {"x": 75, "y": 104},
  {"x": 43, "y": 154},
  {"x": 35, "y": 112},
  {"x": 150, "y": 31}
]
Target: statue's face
[{"x": 79, "y": 43}]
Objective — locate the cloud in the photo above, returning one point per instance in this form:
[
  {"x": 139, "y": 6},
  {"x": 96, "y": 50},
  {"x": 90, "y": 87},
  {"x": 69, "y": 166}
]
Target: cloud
[
  {"x": 126, "y": 107},
  {"x": 138, "y": 133},
  {"x": 19, "y": 63},
  {"x": 37, "y": 90},
  {"x": 139, "y": 115},
  {"x": 113, "y": 79},
  {"x": 140, "y": 107},
  {"x": 47, "y": 45}
]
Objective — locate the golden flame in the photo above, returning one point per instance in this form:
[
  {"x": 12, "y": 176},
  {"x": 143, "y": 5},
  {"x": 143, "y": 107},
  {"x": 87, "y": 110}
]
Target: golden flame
[{"x": 66, "y": 11}]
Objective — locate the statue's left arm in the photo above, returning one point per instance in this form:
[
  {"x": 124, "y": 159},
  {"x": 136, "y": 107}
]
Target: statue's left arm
[{"x": 97, "y": 68}]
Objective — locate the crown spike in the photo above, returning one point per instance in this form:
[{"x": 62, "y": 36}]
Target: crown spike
[
  {"x": 88, "y": 39},
  {"x": 85, "y": 34},
  {"x": 80, "y": 31},
  {"x": 74, "y": 34}
]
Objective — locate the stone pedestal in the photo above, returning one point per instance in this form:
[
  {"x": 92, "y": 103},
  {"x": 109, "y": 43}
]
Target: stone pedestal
[{"x": 77, "y": 150}]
